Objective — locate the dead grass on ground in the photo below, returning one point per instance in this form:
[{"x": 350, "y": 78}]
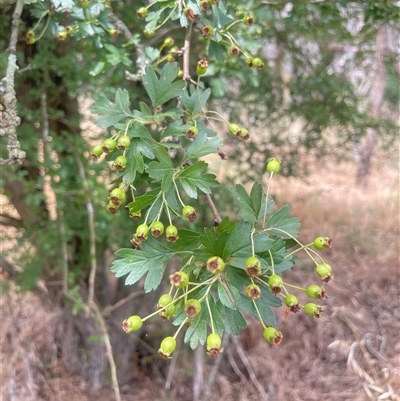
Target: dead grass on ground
[{"x": 350, "y": 354}]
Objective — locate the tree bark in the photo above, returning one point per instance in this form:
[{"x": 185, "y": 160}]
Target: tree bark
[{"x": 376, "y": 95}]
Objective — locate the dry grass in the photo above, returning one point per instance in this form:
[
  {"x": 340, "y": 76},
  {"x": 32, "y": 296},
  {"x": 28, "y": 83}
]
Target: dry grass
[{"x": 350, "y": 354}]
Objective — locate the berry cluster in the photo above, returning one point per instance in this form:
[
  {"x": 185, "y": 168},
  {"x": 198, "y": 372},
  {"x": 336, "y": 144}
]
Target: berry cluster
[{"x": 189, "y": 296}]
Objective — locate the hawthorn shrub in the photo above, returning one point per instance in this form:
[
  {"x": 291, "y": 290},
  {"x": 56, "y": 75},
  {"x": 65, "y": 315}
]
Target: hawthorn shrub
[{"x": 156, "y": 147}]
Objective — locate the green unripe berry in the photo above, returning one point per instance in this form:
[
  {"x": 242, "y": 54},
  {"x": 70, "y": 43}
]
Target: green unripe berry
[
  {"x": 253, "y": 291},
  {"x": 135, "y": 215},
  {"x": 275, "y": 283},
  {"x": 167, "y": 347},
  {"x": 179, "y": 279},
  {"x": 112, "y": 208},
  {"x": 123, "y": 142},
  {"x": 167, "y": 312},
  {"x": 202, "y": 66},
  {"x": 273, "y": 166},
  {"x": 62, "y": 35},
  {"x": 148, "y": 33},
  {"x": 189, "y": 213},
  {"x": 192, "y": 308},
  {"x": 164, "y": 300},
  {"x": 324, "y": 271},
  {"x": 97, "y": 151},
  {"x": 157, "y": 229},
  {"x": 168, "y": 42},
  {"x": 142, "y": 12},
  {"x": 213, "y": 341},
  {"x": 321, "y": 243},
  {"x": 117, "y": 196},
  {"x": 215, "y": 265},
  {"x": 244, "y": 134},
  {"x": 213, "y": 345},
  {"x": 253, "y": 266},
  {"x": 248, "y": 20},
  {"x": 120, "y": 163},
  {"x": 249, "y": 61},
  {"x": 234, "y": 51},
  {"x": 315, "y": 292},
  {"x": 312, "y": 309},
  {"x": 234, "y": 129},
  {"x": 204, "y": 5},
  {"x": 191, "y": 132},
  {"x": 272, "y": 336},
  {"x": 109, "y": 145},
  {"x": 133, "y": 323},
  {"x": 171, "y": 233},
  {"x": 85, "y": 4},
  {"x": 207, "y": 30},
  {"x": 257, "y": 63},
  {"x": 291, "y": 300},
  {"x": 113, "y": 32},
  {"x": 142, "y": 232}
]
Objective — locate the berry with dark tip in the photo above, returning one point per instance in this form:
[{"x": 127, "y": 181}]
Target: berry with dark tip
[
  {"x": 189, "y": 213},
  {"x": 179, "y": 279},
  {"x": 167, "y": 347},
  {"x": 275, "y": 283},
  {"x": 157, "y": 229},
  {"x": 171, "y": 233},
  {"x": 272, "y": 336},
  {"x": 133, "y": 323},
  {"x": 312, "y": 309},
  {"x": 253, "y": 291},
  {"x": 215, "y": 265},
  {"x": 321, "y": 243},
  {"x": 213, "y": 345},
  {"x": 253, "y": 266}
]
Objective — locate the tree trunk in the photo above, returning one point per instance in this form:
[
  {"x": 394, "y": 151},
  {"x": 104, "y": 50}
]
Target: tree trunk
[{"x": 366, "y": 149}]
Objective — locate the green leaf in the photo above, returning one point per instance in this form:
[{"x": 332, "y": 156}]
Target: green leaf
[
  {"x": 216, "y": 315},
  {"x": 163, "y": 89},
  {"x": 202, "y": 146},
  {"x": 281, "y": 224},
  {"x": 161, "y": 172},
  {"x": 246, "y": 212},
  {"x": 141, "y": 202},
  {"x": 197, "y": 332},
  {"x": 112, "y": 113},
  {"x": 194, "y": 101},
  {"x": 251, "y": 206},
  {"x": 151, "y": 259},
  {"x": 228, "y": 295},
  {"x": 138, "y": 130},
  {"x": 217, "y": 50},
  {"x": 175, "y": 127},
  {"x": 162, "y": 155},
  {"x": 238, "y": 239},
  {"x": 234, "y": 321},
  {"x": 135, "y": 162},
  {"x": 194, "y": 177}
]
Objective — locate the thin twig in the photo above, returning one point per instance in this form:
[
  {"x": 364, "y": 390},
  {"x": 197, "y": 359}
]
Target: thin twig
[
  {"x": 92, "y": 233},
  {"x": 234, "y": 365},
  {"x": 198, "y": 377},
  {"x": 211, "y": 377},
  {"x": 64, "y": 252},
  {"x": 110, "y": 355},
  {"x": 217, "y": 217},
  {"x": 111, "y": 308},
  {"x": 249, "y": 368},
  {"x": 186, "y": 54}
]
